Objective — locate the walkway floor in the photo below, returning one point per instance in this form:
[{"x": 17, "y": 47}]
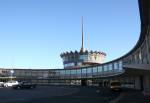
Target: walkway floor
[
  {"x": 57, "y": 94},
  {"x": 133, "y": 96}
]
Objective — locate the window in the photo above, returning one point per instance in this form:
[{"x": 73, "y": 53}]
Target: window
[
  {"x": 73, "y": 71},
  {"x": 83, "y": 71},
  {"x": 28, "y": 73},
  {"x": 69, "y": 64},
  {"x": 57, "y": 73},
  {"x": 99, "y": 69},
  {"x": 65, "y": 58},
  {"x": 84, "y": 57},
  {"x": 110, "y": 67},
  {"x": 115, "y": 65},
  {"x": 68, "y": 72},
  {"x": 79, "y": 64},
  {"x": 45, "y": 74},
  {"x": 120, "y": 64},
  {"x": 105, "y": 68},
  {"x": 34, "y": 73},
  {"x": 89, "y": 70},
  {"x": 79, "y": 72},
  {"x": 94, "y": 69},
  {"x": 62, "y": 72}
]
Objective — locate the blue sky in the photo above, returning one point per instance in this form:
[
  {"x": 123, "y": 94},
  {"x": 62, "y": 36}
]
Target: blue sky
[{"x": 33, "y": 33}]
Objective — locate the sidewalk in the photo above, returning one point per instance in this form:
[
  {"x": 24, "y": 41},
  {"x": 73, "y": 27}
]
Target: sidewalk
[{"x": 133, "y": 96}]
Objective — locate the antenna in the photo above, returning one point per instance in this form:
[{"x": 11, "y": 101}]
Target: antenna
[{"x": 82, "y": 46}]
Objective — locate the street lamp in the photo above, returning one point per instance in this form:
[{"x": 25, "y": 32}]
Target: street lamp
[{"x": 11, "y": 74}]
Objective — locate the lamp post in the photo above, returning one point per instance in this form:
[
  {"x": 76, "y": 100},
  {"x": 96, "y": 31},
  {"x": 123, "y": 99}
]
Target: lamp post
[{"x": 11, "y": 74}]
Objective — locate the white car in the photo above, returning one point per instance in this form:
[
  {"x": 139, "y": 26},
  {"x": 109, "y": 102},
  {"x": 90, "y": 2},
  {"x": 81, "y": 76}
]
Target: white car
[{"x": 10, "y": 83}]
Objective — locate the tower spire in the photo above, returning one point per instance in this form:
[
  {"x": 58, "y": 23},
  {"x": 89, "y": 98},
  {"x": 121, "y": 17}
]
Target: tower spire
[{"x": 82, "y": 46}]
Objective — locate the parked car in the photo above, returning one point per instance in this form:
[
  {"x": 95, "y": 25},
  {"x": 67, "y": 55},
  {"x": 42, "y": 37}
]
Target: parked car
[
  {"x": 10, "y": 83},
  {"x": 115, "y": 86},
  {"x": 24, "y": 85}
]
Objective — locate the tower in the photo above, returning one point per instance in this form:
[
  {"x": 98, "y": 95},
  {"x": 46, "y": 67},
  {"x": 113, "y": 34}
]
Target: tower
[{"x": 83, "y": 57}]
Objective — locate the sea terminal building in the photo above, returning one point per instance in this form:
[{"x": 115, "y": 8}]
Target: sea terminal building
[{"x": 132, "y": 69}]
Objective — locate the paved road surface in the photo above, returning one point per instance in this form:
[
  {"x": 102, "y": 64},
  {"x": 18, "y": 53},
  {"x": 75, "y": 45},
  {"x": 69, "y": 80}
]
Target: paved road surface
[{"x": 57, "y": 94}]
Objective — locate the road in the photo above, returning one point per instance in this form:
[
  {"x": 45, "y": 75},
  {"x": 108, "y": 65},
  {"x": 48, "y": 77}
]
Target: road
[{"x": 57, "y": 94}]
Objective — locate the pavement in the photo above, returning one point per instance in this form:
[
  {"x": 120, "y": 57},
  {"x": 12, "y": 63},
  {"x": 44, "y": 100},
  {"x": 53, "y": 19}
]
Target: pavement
[
  {"x": 57, "y": 94},
  {"x": 132, "y": 96},
  {"x": 71, "y": 94}
]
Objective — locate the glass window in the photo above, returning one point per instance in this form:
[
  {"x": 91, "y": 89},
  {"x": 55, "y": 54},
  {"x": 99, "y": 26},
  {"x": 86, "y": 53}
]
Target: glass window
[
  {"x": 68, "y": 72},
  {"x": 110, "y": 67},
  {"x": 69, "y": 64},
  {"x": 51, "y": 73},
  {"x": 72, "y": 64},
  {"x": 62, "y": 72},
  {"x": 94, "y": 69},
  {"x": 40, "y": 73},
  {"x": 89, "y": 70},
  {"x": 81, "y": 57},
  {"x": 16, "y": 73},
  {"x": 65, "y": 65},
  {"x": 79, "y": 64},
  {"x": 83, "y": 71},
  {"x": 84, "y": 57},
  {"x": 34, "y": 73},
  {"x": 115, "y": 65},
  {"x": 105, "y": 68},
  {"x": 28, "y": 73},
  {"x": 65, "y": 58},
  {"x": 100, "y": 68},
  {"x": 57, "y": 73},
  {"x": 45, "y": 74},
  {"x": 79, "y": 72},
  {"x": 73, "y": 71},
  {"x": 120, "y": 64}
]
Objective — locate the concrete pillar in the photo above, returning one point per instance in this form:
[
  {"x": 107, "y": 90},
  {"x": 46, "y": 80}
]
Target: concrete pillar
[
  {"x": 138, "y": 82},
  {"x": 147, "y": 48},
  {"x": 146, "y": 82},
  {"x": 104, "y": 83}
]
